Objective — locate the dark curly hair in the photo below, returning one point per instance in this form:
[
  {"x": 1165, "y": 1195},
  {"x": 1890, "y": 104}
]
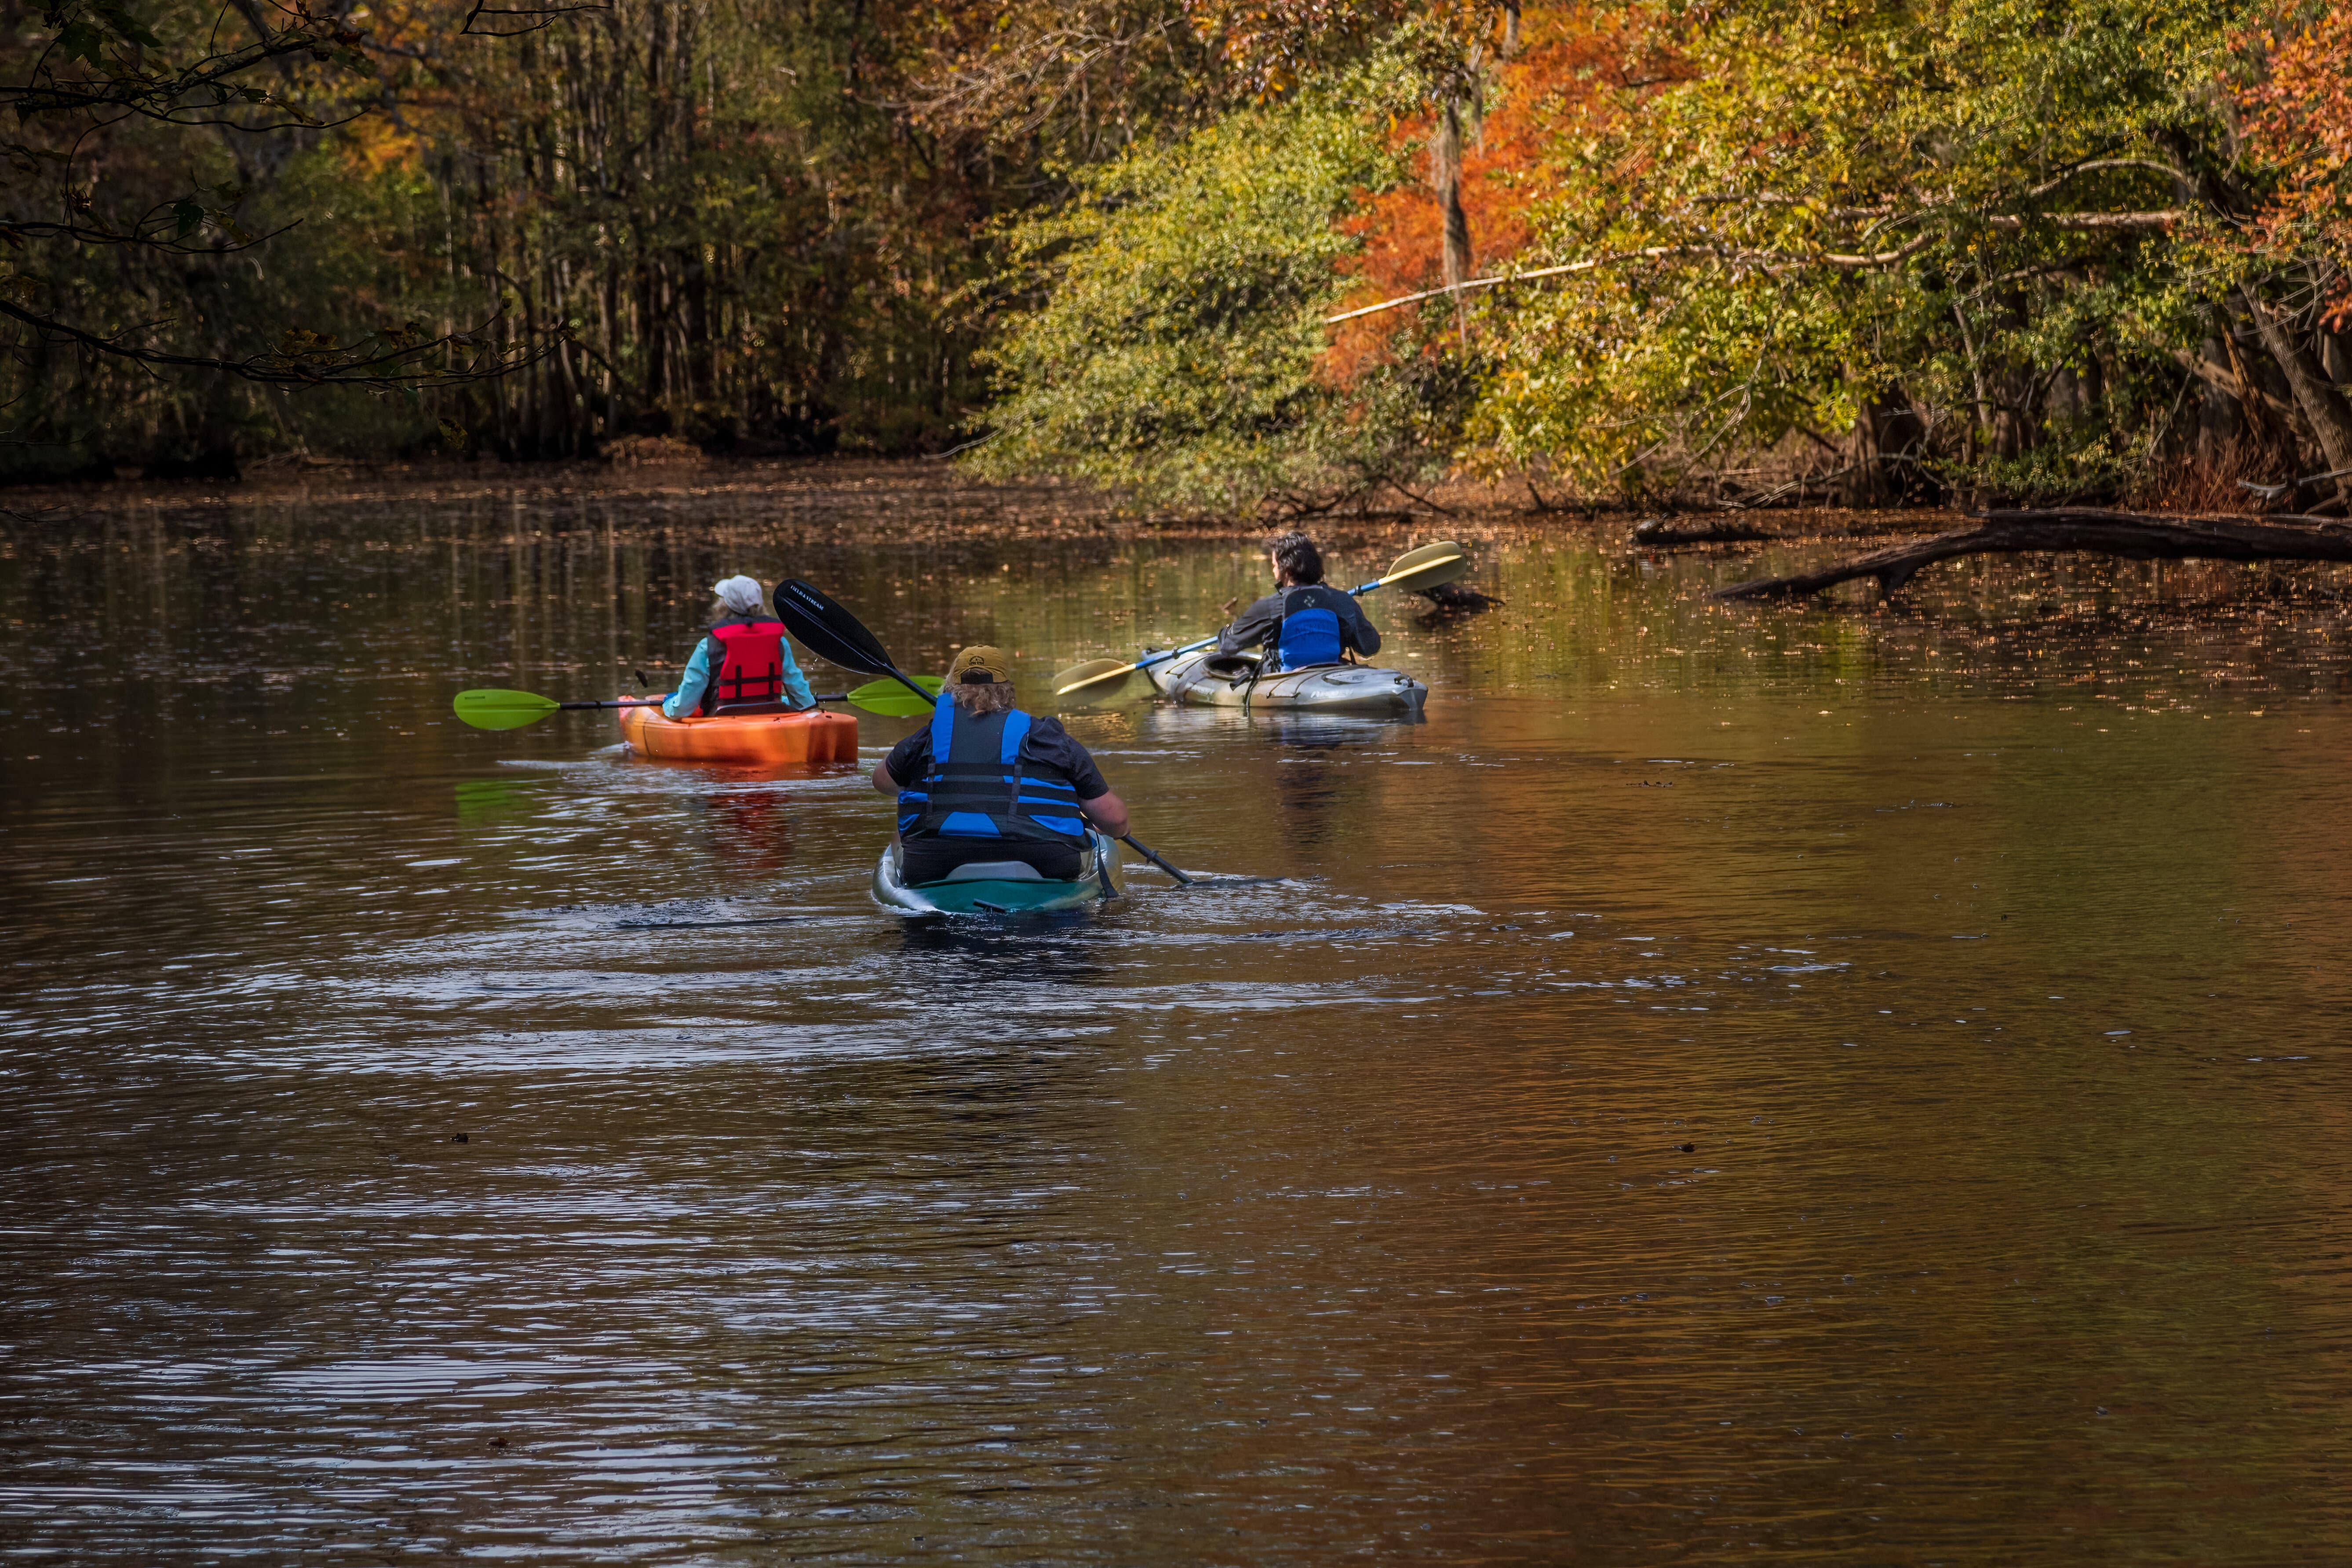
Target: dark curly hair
[{"x": 1296, "y": 557}]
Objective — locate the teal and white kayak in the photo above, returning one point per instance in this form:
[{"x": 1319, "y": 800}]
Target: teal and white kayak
[
  {"x": 999, "y": 887},
  {"x": 1231, "y": 680}
]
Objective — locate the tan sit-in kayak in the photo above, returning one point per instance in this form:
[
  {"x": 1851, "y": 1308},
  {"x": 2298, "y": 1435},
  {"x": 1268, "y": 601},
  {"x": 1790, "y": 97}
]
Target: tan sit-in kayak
[{"x": 1229, "y": 681}]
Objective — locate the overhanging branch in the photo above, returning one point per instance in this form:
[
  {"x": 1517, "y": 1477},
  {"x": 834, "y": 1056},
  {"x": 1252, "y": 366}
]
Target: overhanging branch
[
  {"x": 1658, "y": 253},
  {"x": 2102, "y": 223},
  {"x": 515, "y": 22},
  {"x": 397, "y": 364}
]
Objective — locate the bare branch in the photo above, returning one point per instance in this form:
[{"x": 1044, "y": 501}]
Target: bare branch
[
  {"x": 543, "y": 16},
  {"x": 2095, "y": 223},
  {"x": 2098, "y": 166},
  {"x": 159, "y": 95},
  {"x": 1657, "y": 253},
  {"x": 13, "y": 231},
  {"x": 384, "y": 361},
  {"x": 1782, "y": 260}
]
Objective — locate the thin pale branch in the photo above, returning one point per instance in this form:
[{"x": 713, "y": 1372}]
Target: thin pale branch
[{"x": 2132, "y": 222}]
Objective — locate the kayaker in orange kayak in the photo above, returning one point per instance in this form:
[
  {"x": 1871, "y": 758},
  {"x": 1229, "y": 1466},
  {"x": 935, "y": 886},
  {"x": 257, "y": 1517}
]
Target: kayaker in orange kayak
[
  {"x": 743, "y": 665},
  {"x": 983, "y": 781}
]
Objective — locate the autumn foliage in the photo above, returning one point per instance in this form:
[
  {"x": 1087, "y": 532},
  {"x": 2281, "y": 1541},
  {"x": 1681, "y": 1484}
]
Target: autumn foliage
[
  {"x": 1794, "y": 248},
  {"x": 2299, "y": 123},
  {"x": 1808, "y": 249},
  {"x": 1571, "y": 63}
]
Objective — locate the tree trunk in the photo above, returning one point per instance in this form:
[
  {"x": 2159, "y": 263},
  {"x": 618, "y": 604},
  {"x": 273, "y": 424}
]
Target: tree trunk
[
  {"x": 1887, "y": 435},
  {"x": 2221, "y": 417},
  {"x": 1445, "y": 174},
  {"x": 2323, "y": 406}
]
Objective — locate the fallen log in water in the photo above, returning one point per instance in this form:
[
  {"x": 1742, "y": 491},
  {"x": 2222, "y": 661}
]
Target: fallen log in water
[{"x": 2142, "y": 536}]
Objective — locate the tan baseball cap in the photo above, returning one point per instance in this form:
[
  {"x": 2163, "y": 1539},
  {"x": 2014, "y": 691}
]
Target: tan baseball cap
[{"x": 986, "y": 663}]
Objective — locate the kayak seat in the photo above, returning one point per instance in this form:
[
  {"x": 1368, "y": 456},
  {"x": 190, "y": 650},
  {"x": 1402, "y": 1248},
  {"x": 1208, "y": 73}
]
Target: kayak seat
[
  {"x": 991, "y": 871},
  {"x": 731, "y": 710}
]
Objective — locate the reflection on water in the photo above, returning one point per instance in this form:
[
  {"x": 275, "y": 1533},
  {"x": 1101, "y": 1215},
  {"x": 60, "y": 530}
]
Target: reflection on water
[{"x": 1789, "y": 1084}]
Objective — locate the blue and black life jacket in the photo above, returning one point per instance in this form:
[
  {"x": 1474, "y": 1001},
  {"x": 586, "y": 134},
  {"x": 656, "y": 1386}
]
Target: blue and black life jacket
[
  {"x": 1309, "y": 636},
  {"x": 980, "y": 786}
]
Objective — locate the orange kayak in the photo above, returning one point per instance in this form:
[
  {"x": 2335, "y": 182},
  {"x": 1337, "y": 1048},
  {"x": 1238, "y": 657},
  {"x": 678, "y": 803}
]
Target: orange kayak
[{"x": 753, "y": 738}]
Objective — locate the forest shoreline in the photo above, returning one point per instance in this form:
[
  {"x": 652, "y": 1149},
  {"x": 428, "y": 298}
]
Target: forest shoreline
[{"x": 861, "y": 499}]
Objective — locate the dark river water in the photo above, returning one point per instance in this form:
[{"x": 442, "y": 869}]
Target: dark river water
[{"x": 1764, "y": 1084}]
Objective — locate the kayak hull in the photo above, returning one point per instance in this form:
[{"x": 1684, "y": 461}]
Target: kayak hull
[
  {"x": 1210, "y": 680},
  {"x": 745, "y": 738},
  {"x": 985, "y": 895}
]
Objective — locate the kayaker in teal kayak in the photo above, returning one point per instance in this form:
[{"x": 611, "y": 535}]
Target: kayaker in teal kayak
[
  {"x": 743, "y": 664},
  {"x": 1302, "y": 623},
  {"x": 983, "y": 781}
]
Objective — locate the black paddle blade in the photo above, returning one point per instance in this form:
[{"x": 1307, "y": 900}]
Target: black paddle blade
[{"x": 829, "y": 631}]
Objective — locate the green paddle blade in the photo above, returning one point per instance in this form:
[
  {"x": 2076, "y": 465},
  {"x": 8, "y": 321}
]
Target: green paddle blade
[
  {"x": 1444, "y": 561},
  {"x": 892, "y": 700},
  {"x": 1097, "y": 681},
  {"x": 494, "y": 710}
]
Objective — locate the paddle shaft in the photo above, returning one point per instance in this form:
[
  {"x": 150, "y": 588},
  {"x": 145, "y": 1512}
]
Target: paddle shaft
[
  {"x": 655, "y": 701},
  {"x": 1125, "y": 670},
  {"x": 929, "y": 698},
  {"x": 1129, "y": 840}
]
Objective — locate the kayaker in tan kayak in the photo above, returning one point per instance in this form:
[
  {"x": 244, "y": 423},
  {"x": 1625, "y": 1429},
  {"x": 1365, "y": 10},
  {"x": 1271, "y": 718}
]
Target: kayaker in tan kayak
[
  {"x": 983, "y": 781},
  {"x": 743, "y": 665},
  {"x": 1302, "y": 623}
]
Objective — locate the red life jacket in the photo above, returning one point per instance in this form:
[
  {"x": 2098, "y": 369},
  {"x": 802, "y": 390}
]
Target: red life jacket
[{"x": 752, "y": 668}]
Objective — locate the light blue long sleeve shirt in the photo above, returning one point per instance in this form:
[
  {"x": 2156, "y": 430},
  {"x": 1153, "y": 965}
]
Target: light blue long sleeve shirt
[{"x": 695, "y": 680}]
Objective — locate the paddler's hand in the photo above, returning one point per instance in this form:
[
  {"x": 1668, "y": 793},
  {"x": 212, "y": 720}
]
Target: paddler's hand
[{"x": 1108, "y": 812}]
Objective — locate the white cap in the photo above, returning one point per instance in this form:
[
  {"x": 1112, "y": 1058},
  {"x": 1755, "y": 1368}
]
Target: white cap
[{"x": 740, "y": 595}]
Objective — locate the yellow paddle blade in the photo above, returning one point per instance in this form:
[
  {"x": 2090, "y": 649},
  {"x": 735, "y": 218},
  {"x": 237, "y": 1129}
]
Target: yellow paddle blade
[
  {"x": 1444, "y": 561},
  {"x": 489, "y": 709},
  {"x": 1097, "y": 681},
  {"x": 892, "y": 700}
]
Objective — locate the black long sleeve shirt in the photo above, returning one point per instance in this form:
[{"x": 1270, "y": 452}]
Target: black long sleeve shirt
[{"x": 1261, "y": 624}]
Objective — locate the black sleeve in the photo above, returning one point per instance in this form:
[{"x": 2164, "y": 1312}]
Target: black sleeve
[
  {"x": 1049, "y": 743},
  {"x": 911, "y": 759},
  {"x": 1361, "y": 634},
  {"x": 1253, "y": 627}
]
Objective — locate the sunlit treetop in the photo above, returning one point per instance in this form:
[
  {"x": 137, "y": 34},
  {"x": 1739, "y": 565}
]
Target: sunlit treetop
[{"x": 1275, "y": 47}]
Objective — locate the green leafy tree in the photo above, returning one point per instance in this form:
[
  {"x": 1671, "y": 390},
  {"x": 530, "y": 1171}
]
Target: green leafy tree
[{"x": 1173, "y": 345}]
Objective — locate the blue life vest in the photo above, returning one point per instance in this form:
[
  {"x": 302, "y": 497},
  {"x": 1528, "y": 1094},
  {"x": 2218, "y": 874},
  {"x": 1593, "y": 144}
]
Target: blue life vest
[
  {"x": 980, "y": 787},
  {"x": 1308, "y": 636}
]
